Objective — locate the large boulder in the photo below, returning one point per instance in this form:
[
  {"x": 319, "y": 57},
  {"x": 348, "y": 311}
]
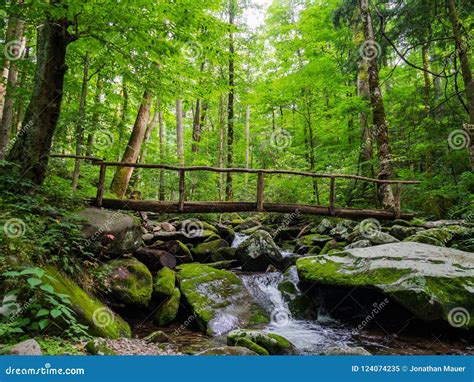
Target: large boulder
[
  {"x": 129, "y": 281},
  {"x": 434, "y": 283},
  {"x": 257, "y": 252},
  {"x": 177, "y": 249},
  {"x": 102, "y": 322},
  {"x": 273, "y": 343},
  {"x": 228, "y": 350},
  {"x": 438, "y": 236},
  {"x": 110, "y": 233},
  {"x": 218, "y": 299},
  {"x": 203, "y": 252},
  {"x": 27, "y": 347},
  {"x": 167, "y": 297}
]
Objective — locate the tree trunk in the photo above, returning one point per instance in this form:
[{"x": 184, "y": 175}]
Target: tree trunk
[
  {"x": 123, "y": 117},
  {"x": 122, "y": 175},
  {"x": 179, "y": 131},
  {"x": 247, "y": 135},
  {"x": 15, "y": 36},
  {"x": 380, "y": 123},
  {"x": 462, "y": 51},
  {"x": 230, "y": 105},
  {"x": 161, "y": 127},
  {"x": 95, "y": 116},
  {"x": 80, "y": 123},
  {"x": 221, "y": 145},
  {"x": 32, "y": 146},
  {"x": 426, "y": 78},
  {"x": 196, "y": 126}
]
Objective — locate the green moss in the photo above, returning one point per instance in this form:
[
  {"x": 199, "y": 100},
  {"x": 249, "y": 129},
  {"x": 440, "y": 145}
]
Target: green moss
[
  {"x": 98, "y": 346},
  {"x": 165, "y": 282},
  {"x": 89, "y": 309},
  {"x": 57, "y": 346},
  {"x": 203, "y": 251},
  {"x": 130, "y": 281},
  {"x": 168, "y": 310},
  {"x": 314, "y": 239},
  {"x": 274, "y": 344},
  {"x": 246, "y": 343}
]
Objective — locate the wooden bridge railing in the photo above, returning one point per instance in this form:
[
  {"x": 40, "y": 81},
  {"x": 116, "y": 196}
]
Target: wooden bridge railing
[{"x": 259, "y": 205}]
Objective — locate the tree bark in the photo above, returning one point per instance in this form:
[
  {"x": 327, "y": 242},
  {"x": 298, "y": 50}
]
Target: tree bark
[
  {"x": 95, "y": 116},
  {"x": 123, "y": 116},
  {"x": 122, "y": 175},
  {"x": 462, "y": 51},
  {"x": 221, "y": 145},
  {"x": 179, "y": 131},
  {"x": 31, "y": 149},
  {"x": 230, "y": 104},
  {"x": 196, "y": 126},
  {"x": 80, "y": 123},
  {"x": 385, "y": 171},
  {"x": 15, "y": 36},
  {"x": 161, "y": 127}
]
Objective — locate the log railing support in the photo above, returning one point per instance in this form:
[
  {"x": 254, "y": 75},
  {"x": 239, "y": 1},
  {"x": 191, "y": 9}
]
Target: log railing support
[
  {"x": 260, "y": 189},
  {"x": 182, "y": 190},
  {"x": 332, "y": 196},
  {"x": 101, "y": 185},
  {"x": 397, "y": 200}
]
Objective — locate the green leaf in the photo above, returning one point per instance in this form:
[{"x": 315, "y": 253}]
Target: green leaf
[
  {"x": 47, "y": 288},
  {"x": 11, "y": 274},
  {"x": 33, "y": 271},
  {"x": 34, "y": 281},
  {"x": 55, "y": 313},
  {"x": 42, "y": 312},
  {"x": 43, "y": 323}
]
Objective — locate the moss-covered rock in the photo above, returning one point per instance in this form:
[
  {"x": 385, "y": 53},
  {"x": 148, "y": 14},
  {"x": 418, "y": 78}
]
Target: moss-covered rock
[
  {"x": 249, "y": 344},
  {"x": 227, "y": 253},
  {"x": 429, "y": 281},
  {"x": 110, "y": 234},
  {"x": 402, "y": 232},
  {"x": 164, "y": 284},
  {"x": 158, "y": 337},
  {"x": 273, "y": 343},
  {"x": 129, "y": 281},
  {"x": 314, "y": 239},
  {"x": 299, "y": 304},
  {"x": 226, "y": 232},
  {"x": 228, "y": 350},
  {"x": 177, "y": 248},
  {"x": 168, "y": 309},
  {"x": 437, "y": 236},
  {"x": 90, "y": 311},
  {"x": 257, "y": 252},
  {"x": 98, "y": 346},
  {"x": 224, "y": 264},
  {"x": 202, "y": 252},
  {"x": 217, "y": 298}
]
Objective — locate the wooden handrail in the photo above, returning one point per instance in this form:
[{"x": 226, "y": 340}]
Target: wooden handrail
[{"x": 70, "y": 156}]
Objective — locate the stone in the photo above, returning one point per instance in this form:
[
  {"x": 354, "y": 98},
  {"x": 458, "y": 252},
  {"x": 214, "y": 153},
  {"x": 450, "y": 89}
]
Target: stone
[
  {"x": 224, "y": 264},
  {"x": 177, "y": 249},
  {"x": 226, "y": 253},
  {"x": 158, "y": 337},
  {"x": 273, "y": 343},
  {"x": 27, "y": 347},
  {"x": 218, "y": 299},
  {"x": 431, "y": 282},
  {"x": 227, "y": 350},
  {"x": 299, "y": 304},
  {"x": 100, "y": 319},
  {"x": 203, "y": 252},
  {"x": 164, "y": 284},
  {"x": 148, "y": 238},
  {"x": 257, "y": 252},
  {"x": 193, "y": 235},
  {"x": 438, "y": 236},
  {"x": 402, "y": 232},
  {"x": 225, "y": 232},
  {"x": 345, "y": 350},
  {"x": 98, "y": 346},
  {"x": 110, "y": 234},
  {"x": 155, "y": 259},
  {"x": 167, "y": 227},
  {"x": 359, "y": 244},
  {"x": 129, "y": 281},
  {"x": 286, "y": 233},
  {"x": 246, "y": 225},
  {"x": 167, "y": 311}
]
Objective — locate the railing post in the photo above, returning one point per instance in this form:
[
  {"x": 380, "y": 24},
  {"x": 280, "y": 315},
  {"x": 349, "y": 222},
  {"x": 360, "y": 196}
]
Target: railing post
[
  {"x": 397, "y": 200},
  {"x": 181, "y": 190},
  {"x": 260, "y": 189},
  {"x": 101, "y": 185},
  {"x": 332, "y": 195}
]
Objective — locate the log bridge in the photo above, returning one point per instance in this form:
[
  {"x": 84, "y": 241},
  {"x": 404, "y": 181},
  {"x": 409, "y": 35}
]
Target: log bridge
[{"x": 184, "y": 206}]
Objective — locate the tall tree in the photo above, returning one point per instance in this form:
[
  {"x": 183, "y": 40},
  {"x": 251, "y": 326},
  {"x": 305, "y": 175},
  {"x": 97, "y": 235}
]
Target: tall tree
[
  {"x": 179, "y": 131},
  {"x": 230, "y": 103},
  {"x": 31, "y": 149},
  {"x": 123, "y": 174},
  {"x": 385, "y": 170}
]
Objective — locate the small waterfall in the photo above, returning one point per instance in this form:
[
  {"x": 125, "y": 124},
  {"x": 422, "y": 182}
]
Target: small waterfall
[{"x": 239, "y": 238}]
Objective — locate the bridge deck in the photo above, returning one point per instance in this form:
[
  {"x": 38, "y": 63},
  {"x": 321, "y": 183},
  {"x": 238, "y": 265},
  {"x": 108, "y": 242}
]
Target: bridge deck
[{"x": 220, "y": 207}]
